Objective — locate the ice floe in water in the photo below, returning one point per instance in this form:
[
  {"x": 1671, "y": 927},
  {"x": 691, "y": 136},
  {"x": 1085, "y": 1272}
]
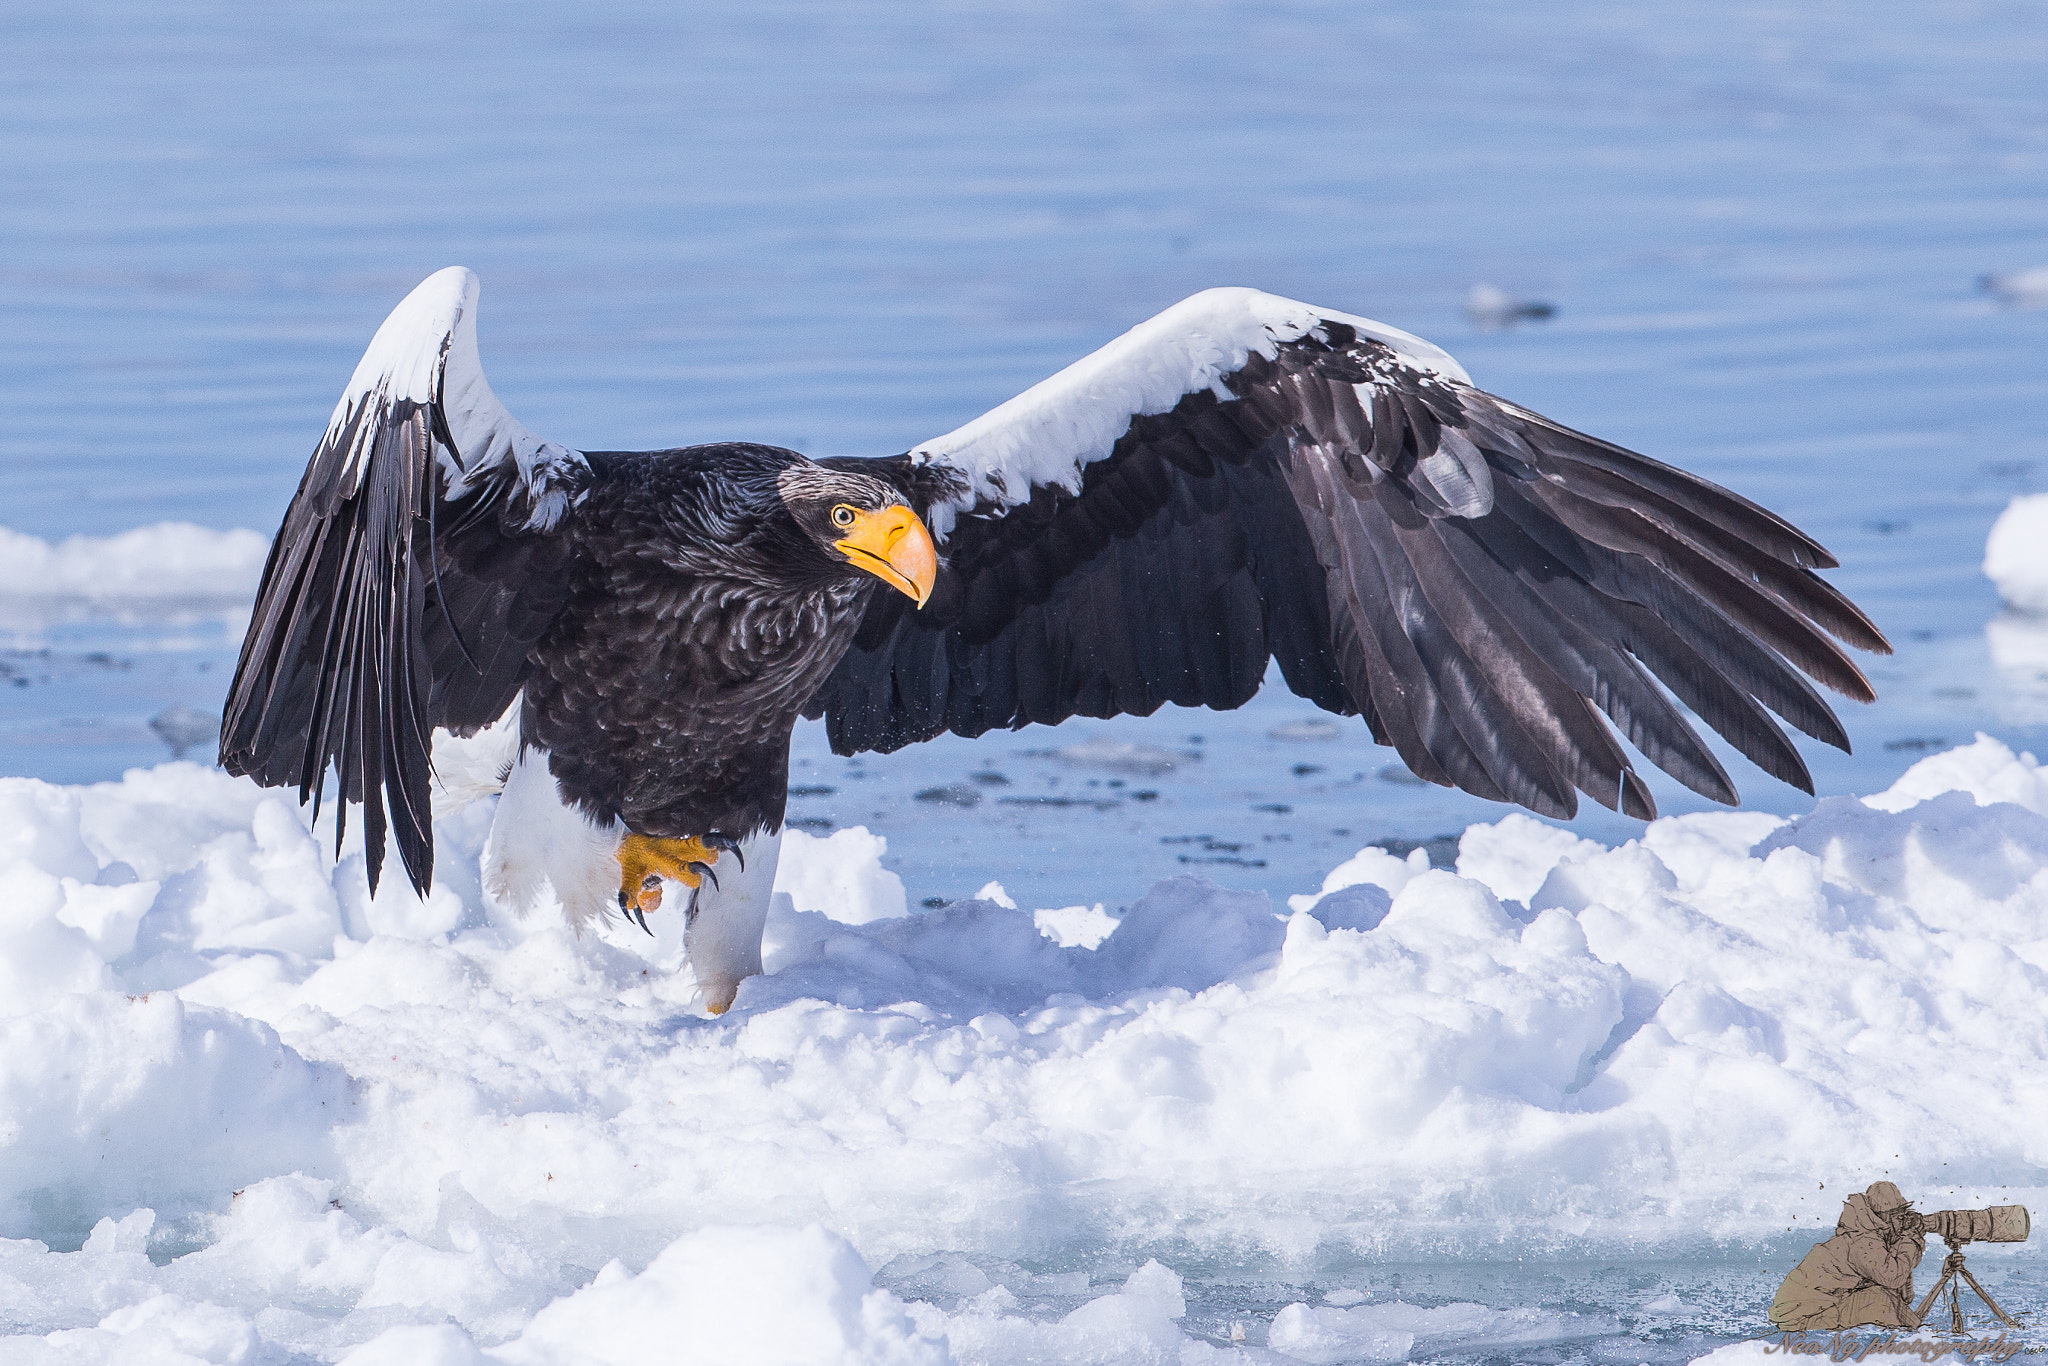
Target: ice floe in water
[
  {"x": 2018, "y": 288},
  {"x": 149, "y": 569},
  {"x": 2016, "y": 553},
  {"x": 2016, "y": 562},
  {"x": 251, "y": 1113}
]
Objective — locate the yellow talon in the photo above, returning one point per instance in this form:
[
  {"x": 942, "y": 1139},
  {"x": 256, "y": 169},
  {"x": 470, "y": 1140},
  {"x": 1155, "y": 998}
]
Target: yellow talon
[{"x": 644, "y": 860}]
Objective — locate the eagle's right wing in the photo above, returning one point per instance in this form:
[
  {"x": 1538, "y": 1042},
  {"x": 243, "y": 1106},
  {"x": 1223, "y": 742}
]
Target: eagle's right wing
[
  {"x": 422, "y": 556},
  {"x": 1248, "y": 478}
]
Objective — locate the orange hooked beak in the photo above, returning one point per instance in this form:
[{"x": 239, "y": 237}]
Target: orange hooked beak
[{"x": 893, "y": 546}]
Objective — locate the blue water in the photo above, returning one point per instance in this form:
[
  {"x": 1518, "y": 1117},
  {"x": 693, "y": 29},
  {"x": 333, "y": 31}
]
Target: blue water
[{"x": 847, "y": 228}]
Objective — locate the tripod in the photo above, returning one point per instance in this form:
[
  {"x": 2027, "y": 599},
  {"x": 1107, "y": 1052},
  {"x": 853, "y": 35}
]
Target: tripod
[{"x": 1951, "y": 1268}]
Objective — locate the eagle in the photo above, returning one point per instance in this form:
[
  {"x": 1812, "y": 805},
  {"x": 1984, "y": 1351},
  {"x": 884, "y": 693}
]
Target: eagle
[{"x": 619, "y": 643}]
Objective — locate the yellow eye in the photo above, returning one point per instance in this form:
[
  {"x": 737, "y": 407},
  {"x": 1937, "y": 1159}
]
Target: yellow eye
[{"x": 842, "y": 515}]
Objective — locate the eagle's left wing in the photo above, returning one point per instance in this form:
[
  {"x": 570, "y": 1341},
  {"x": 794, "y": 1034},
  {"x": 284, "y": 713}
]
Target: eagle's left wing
[
  {"x": 1246, "y": 478},
  {"x": 422, "y": 556}
]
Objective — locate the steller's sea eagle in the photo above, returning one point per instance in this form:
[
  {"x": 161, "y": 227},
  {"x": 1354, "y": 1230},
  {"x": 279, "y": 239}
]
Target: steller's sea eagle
[{"x": 622, "y": 642}]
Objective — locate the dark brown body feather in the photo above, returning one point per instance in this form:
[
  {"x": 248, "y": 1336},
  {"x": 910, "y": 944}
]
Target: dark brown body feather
[{"x": 666, "y": 689}]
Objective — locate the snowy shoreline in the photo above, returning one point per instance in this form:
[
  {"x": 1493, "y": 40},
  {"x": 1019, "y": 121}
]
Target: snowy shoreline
[{"x": 294, "y": 1118}]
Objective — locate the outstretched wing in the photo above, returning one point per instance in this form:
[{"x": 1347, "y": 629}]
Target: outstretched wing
[
  {"x": 1246, "y": 478},
  {"x": 422, "y": 556}
]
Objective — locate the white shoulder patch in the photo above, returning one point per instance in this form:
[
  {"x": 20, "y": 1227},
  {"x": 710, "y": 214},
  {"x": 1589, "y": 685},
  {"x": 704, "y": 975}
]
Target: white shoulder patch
[
  {"x": 1054, "y": 429},
  {"x": 425, "y": 353}
]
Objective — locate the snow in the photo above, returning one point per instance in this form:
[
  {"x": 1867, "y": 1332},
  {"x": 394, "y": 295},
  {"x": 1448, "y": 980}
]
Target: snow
[
  {"x": 254, "y": 1113},
  {"x": 1370, "y": 867}
]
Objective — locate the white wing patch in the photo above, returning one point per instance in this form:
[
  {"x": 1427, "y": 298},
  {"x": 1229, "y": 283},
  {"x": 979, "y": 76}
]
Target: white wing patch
[
  {"x": 1054, "y": 429},
  {"x": 425, "y": 354}
]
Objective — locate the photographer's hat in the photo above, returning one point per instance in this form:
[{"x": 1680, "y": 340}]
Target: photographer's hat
[{"x": 1883, "y": 1197}]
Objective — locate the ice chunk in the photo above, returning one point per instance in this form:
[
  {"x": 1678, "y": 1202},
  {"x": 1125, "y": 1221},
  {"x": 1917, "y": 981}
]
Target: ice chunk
[
  {"x": 1390, "y": 1332},
  {"x": 1136, "y": 1325},
  {"x": 1514, "y": 855},
  {"x": 2016, "y": 553},
  {"x": 116, "y": 1101},
  {"x": 1373, "y": 865},
  {"x": 1987, "y": 770},
  {"x": 1359, "y": 907},
  {"x": 161, "y": 1328},
  {"x": 1333, "y": 1335},
  {"x": 2018, "y": 288},
  {"x": 1186, "y": 933},
  {"x": 770, "y": 1296},
  {"x": 1492, "y": 308},
  {"x": 1117, "y": 756},
  {"x": 171, "y": 563},
  {"x": 416, "y": 1345},
  {"x": 1083, "y": 927},
  {"x": 840, "y": 875}
]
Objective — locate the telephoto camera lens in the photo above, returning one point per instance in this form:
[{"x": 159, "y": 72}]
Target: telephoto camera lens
[{"x": 1998, "y": 1224}]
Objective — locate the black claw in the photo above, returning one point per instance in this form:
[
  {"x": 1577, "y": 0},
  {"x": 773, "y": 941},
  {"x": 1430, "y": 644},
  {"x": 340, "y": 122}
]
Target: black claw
[
  {"x": 703, "y": 870},
  {"x": 640, "y": 916},
  {"x": 726, "y": 844}
]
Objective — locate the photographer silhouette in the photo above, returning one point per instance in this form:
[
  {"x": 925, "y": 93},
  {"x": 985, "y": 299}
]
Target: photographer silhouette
[{"x": 1861, "y": 1276}]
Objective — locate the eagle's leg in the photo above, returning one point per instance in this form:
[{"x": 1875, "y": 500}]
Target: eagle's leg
[
  {"x": 726, "y": 920},
  {"x": 644, "y": 860}
]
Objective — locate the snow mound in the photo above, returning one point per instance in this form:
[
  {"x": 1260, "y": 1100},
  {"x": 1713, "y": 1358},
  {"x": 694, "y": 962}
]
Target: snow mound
[
  {"x": 251, "y": 1113},
  {"x": 170, "y": 563},
  {"x": 775, "y": 1297}
]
